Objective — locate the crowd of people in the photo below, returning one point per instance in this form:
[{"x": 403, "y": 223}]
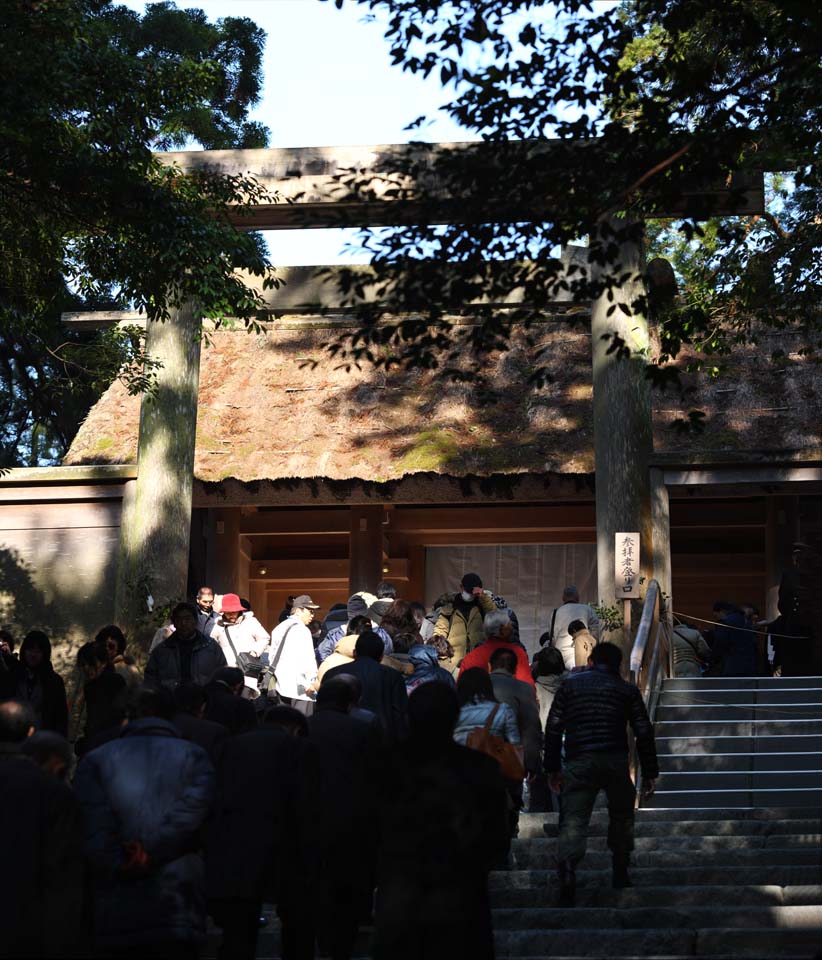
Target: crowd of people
[{"x": 386, "y": 747}]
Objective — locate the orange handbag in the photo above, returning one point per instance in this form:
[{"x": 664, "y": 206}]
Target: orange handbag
[{"x": 507, "y": 755}]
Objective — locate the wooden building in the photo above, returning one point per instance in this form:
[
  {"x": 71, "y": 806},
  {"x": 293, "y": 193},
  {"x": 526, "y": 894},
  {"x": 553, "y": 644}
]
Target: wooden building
[{"x": 313, "y": 475}]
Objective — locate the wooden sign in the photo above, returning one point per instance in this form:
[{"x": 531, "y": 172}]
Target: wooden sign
[{"x": 626, "y": 566}]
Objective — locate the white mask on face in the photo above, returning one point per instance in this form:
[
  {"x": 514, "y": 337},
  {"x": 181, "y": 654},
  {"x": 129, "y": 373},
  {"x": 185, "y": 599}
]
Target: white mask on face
[{"x": 467, "y": 597}]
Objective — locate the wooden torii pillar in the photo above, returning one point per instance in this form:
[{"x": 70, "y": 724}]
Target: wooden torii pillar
[
  {"x": 156, "y": 523},
  {"x": 155, "y": 526}
]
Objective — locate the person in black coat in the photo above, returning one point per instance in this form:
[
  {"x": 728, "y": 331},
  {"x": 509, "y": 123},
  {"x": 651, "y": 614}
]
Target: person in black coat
[
  {"x": 443, "y": 827},
  {"x": 40, "y": 853},
  {"x": 9, "y": 666},
  {"x": 383, "y": 689},
  {"x": 40, "y": 686},
  {"x": 226, "y": 705},
  {"x": 260, "y": 844},
  {"x": 349, "y": 752},
  {"x": 190, "y": 700},
  {"x": 104, "y": 693}
]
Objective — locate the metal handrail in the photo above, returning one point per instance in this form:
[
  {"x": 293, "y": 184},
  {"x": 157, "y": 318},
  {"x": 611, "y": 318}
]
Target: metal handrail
[
  {"x": 652, "y": 657},
  {"x": 652, "y": 653}
]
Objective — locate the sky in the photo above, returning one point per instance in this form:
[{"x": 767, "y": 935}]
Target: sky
[{"x": 328, "y": 82}]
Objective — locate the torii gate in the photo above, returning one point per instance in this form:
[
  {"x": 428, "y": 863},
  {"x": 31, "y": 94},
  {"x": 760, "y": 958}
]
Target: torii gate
[{"x": 155, "y": 531}]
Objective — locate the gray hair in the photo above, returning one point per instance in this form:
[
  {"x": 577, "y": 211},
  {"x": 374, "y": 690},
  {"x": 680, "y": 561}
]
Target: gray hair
[
  {"x": 570, "y": 593},
  {"x": 494, "y": 622}
]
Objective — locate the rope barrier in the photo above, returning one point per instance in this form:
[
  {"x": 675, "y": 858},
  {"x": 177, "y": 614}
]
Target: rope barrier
[{"x": 729, "y": 626}]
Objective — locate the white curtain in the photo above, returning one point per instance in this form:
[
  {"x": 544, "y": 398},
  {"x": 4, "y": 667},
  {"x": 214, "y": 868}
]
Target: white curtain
[{"x": 530, "y": 577}]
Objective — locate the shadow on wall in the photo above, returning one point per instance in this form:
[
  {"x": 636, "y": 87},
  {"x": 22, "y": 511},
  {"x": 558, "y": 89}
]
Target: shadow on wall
[{"x": 42, "y": 598}]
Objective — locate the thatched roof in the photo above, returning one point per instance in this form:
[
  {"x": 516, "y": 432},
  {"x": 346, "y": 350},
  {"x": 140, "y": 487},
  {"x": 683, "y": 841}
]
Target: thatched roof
[{"x": 277, "y": 405}]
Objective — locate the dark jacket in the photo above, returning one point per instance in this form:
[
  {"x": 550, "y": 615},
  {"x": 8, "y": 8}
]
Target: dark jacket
[
  {"x": 349, "y": 751},
  {"x": 235, "y": 713},
  {"x": 522, "y": 699},
  {"x": 40, "y": 861},
  {"x": 45, "y": 691},
  {"x": 592, "y": 709},
  {"x": 261, "y": 835},
  {"x": 105, "y": 699},
  {"x": 205, "y": 733},
  {"x": 444, "y": 825},
  {"x": 734, "y": 647},
  {"x": 427, "y": 667},
  {"x": 164, "y": 664},
  {"x": 151, "y": 786},
  {"x": 383, "y": 691}
]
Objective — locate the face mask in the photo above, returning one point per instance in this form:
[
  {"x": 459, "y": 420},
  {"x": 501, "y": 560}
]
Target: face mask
[{"x": 467, "y": 597}]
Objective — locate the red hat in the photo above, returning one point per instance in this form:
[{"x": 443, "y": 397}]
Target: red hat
[{"x": 231, "y": 604}]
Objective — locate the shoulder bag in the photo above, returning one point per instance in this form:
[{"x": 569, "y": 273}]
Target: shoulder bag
[
  {"x": 250, "y": 665},
  {"x": 507, "y": 755}
]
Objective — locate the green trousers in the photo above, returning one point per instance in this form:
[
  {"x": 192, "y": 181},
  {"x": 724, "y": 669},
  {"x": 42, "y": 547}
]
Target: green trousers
[{"x": 583, "y": 778}]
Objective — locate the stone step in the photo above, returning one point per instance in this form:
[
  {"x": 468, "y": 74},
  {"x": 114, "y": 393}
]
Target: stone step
[
  {"x": 658, "y": 942},
  {"x": 708, "y": 729},
  {"x": 640, "y": 918},
  {"x": 541, "y": 855},
  {"x": 733, "y": 799},
  {"x": 541, "y": 891},
  {"x": 539, "y": 827},
  {"x": 780, "y": 814},
  {"x": 698, "y": 781},
  {"x": 726, "y": 762},
  {"x": 768, "y": 697},
  {"x": 692, "y": 875},
  {"x": 738, "y": 712},
  {"x": 695, "y": 844},
  {"x": 741, "y": 683},
  {"x": 785, "y": 743}
]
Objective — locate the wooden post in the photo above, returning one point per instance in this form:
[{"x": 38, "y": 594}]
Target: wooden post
[
  {"x": 661, "y": 554},
  {"x": 223, "y": 563},
  {"x": 622, "y": 405},
  {"x": 156, "y": 524},
  {"x": 365, "y": 549}
]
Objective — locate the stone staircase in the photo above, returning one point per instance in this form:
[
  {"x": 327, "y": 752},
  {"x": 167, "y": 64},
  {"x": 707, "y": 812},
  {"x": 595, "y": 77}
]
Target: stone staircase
[{"x": 728, "y": 859}]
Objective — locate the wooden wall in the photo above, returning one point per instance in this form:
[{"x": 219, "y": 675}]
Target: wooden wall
[
  {"x": 718, "y": 547},
  {"x": 58, "y": 551}
]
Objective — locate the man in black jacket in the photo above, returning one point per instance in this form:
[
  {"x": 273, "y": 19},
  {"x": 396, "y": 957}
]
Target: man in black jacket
[
  {"x": 592, "y": 709},
  {"x": 40, "y": 853},
  {"x": 261, "y": 843},
  {"x": 383, "y": 689},
  {"x": 349, "y": 753}
]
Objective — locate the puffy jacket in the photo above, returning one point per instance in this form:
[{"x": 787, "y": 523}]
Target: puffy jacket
[
  {"x": 343, "y": 653},
  {"x": 592, "y": 708},
  {"x": 163, "y": 668},
  {"x": 426, "y": 667},
  {"x": 481, "y": 657},
  {"x": 562, "y": 618},
  {"x": 690, "y": 651},
  {"x": 151, "y": 786},
  {"x": 461, "y": 625},
  {"x": 329, "y": 644}
]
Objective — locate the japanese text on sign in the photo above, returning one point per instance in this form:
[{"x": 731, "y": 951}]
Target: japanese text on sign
[{"x": 626, "y": 566}]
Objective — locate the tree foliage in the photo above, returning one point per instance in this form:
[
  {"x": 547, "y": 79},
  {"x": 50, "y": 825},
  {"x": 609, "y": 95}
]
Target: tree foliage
[
  {"x": 88, "y": 214},
  {"x": 604, "y": 112}
]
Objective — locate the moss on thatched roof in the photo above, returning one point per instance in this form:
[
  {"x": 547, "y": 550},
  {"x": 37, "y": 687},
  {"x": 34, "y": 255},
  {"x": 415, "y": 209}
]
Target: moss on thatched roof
[{"x": 277, "y": 405}]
